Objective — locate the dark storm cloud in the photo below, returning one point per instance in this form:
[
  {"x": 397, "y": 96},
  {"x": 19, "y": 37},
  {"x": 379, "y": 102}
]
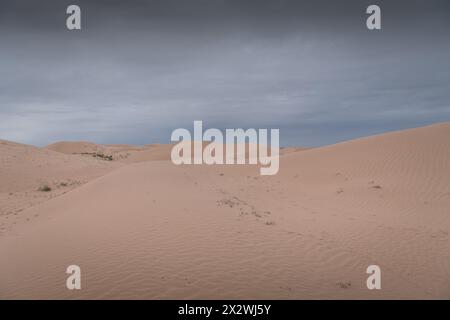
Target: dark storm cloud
[{"x": 139, "y": 69}]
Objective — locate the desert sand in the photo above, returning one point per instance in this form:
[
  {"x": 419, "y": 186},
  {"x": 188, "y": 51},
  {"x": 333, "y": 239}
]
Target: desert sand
[{"x": 140, "y": 227}]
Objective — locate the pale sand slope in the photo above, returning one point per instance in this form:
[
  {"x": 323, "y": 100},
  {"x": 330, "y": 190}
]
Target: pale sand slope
[
  {"x": 62, "y": 166},
  {"x": 24, "y": 169},
  {"x": 155, "y": 230}
]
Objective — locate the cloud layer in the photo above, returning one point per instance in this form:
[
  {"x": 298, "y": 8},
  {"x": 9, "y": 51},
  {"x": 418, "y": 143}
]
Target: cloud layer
[{"x": 139, "y": 69}]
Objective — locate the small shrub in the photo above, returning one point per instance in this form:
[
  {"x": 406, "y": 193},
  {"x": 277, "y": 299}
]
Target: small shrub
[
  {"x": 344, "y": 285},
  {"x": 45, "y": 188},
  {"x": 103, "y": 156}
]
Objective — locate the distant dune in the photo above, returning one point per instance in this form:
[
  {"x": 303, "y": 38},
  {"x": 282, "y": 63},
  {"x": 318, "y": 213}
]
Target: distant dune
[
  {"x": 121, "y": 152},
  {"x": 25, "y": 170},
  {"x": 75, "y": 147},
  {"x": 155, "y": 230}
]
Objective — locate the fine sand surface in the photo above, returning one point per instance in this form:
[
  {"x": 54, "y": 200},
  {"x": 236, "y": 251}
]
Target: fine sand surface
[
  {"x": 26, "y": 171},
  {"x": 141, "y": 227}
]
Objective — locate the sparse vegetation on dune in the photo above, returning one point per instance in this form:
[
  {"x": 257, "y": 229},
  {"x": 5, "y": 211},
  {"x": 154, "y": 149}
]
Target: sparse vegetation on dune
[
  {"x": 45, "y": 188},
  {"x": 98, "y": 155}
]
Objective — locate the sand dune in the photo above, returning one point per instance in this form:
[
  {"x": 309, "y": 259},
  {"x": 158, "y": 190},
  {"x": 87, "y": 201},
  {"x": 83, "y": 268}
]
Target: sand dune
[
  {"x": 118, "y": 152},
  {"x": 25, "y": 170},
  {"x": 155, "y": 230},
  {"x": 131, "y": 154},
  {"x": 76, "y": 147}
]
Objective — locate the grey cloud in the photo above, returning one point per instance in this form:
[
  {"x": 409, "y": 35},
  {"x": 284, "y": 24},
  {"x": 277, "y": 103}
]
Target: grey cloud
[{"x": 139, "y": 69}]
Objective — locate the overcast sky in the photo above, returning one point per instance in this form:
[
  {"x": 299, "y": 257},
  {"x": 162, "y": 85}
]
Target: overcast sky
[{"x": 139, "y": 69}]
